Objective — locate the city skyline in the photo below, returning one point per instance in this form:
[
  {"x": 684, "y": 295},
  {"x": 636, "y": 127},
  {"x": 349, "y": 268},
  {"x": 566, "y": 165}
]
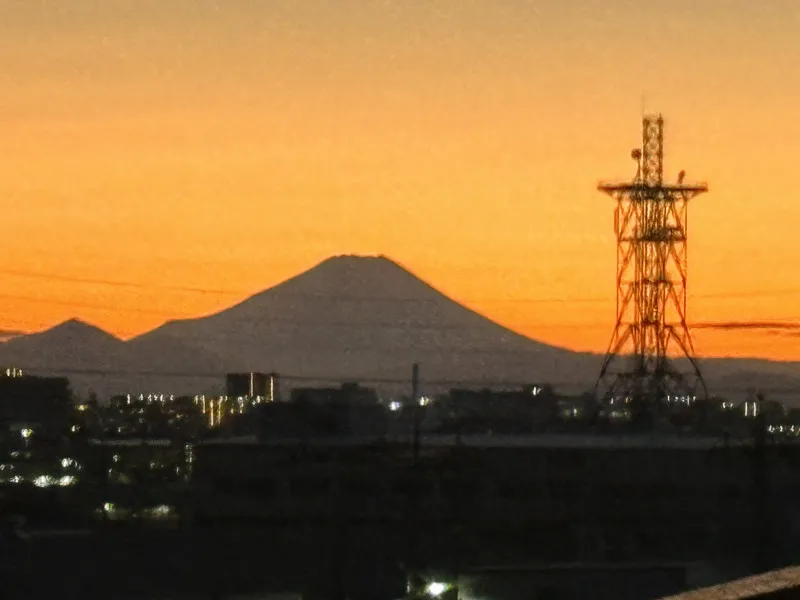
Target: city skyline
[{"x": 227, "y": 148}]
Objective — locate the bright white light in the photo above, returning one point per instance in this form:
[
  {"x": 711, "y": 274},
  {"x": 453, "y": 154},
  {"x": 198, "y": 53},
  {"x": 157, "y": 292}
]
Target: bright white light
[
  {"x": 395, "y": 406},
  {"x": 26, "y": 433},
  {"x": 43, "y": 481},
  {"x": 162, "y": 510},
  {"x": 424, "y": 401},
  {"x": 436, "y": 588},
  {"x": 66, "y": 481}
]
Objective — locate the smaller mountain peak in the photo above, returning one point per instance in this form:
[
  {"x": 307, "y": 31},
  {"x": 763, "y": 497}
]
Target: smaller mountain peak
[
  {"x": 73, "y": 325},
  {"x": 77, "y": 327}
]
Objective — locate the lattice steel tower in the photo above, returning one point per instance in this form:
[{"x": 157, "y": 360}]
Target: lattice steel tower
[{"x": 650, "y": 222}]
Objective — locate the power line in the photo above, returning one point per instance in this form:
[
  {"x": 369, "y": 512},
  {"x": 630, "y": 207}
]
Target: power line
[
  {"x": 334, "y": 297},
  {"x": 367, "y": 298},
  {"x": 374, "y": 328},
  {"x": 293, "y": 377},
  {"x": 85, "y": 305},
  {"x": 115, "y": 283},
  {"x": 382, "y": 326},
  {"x": 400, "y": 381},
  {"x": 339, "y": 299}
]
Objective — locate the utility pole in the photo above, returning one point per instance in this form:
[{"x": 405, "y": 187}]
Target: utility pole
[
  {"x": 760, "y": 489},
  {"x": 416, "y": 414},
  {"x": 340, "y": 545},
  {"x": 412, "y": 559}
]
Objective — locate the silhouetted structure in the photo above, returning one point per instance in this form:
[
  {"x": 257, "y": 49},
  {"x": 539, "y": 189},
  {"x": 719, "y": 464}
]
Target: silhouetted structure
[
  {"x": 46, "y": 401},
  {"x": 488, "y": 498},
  {"x": 650, "y": 223},
  {"x": 348, "y": 393},
  {"x": 251, "y": 385}
]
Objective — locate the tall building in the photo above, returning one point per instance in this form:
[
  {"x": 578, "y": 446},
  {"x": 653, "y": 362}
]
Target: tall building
[
  {"x": 252, "y": 385},
  {"x": 46, "y": 401}
]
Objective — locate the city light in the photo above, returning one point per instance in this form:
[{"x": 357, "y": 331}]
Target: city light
[
  {"x": 687, "y": 400},
  {"x": 44, "y": 481},
  {"x": 436, "y": 588}
]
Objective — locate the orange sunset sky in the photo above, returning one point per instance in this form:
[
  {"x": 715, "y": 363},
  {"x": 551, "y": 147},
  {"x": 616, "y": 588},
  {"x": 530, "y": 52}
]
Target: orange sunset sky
[{"x": 228, "y": 145}]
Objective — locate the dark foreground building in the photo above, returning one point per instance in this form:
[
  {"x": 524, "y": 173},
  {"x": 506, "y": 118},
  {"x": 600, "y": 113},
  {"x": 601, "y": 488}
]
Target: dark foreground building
[
  {"x": 523, "y": 498},
  {"x": 41, "y": 402},
  {"x": 315, "y": 564}
]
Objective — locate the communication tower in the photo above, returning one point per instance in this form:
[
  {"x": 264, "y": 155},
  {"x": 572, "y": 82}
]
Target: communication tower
[{"x": 650, "y": 222}]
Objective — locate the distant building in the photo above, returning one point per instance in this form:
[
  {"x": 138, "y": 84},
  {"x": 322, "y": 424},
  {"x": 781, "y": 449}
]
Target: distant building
[
  {"x": 251, "y": 385},
  {"x": 46, "y": 401},
  {"x": 348, "y": 393},
  {"x": 313, "y": 412},
  {"x": 507, "y": 411}
]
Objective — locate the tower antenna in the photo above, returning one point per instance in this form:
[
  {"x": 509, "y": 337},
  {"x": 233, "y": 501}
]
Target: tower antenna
[{"x": 650, "y": 223}]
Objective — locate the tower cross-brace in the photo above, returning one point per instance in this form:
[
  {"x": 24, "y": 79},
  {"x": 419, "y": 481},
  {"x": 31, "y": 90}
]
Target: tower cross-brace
[{"x": 650, "y": 223}]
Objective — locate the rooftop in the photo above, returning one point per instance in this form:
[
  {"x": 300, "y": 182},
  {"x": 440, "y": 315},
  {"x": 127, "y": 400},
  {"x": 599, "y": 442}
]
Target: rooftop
[
  {"x": 497, "y": 441},
  {"x": 756, "y": 586}
]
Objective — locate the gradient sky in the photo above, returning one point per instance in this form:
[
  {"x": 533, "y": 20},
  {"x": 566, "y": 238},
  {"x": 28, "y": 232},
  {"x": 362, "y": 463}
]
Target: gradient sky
[{"x": 228, "y": 145}]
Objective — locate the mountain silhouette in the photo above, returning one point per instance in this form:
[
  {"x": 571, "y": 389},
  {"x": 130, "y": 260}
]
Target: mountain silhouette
[
  {"x": 73, "y": 344},
  {"x": 349, "y": 318},
  {"x": 96, "y": 361},
  {"x": 368, "y": 318}
]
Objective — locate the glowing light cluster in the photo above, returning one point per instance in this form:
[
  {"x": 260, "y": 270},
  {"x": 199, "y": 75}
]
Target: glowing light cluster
[
  {"x": 687, "y": 400},
  {"x": 151, "y": 398},
  {"x": 44, "y": 481},
  {"x": 218, "y": 408},
  {"x": 789, "y": 430}
]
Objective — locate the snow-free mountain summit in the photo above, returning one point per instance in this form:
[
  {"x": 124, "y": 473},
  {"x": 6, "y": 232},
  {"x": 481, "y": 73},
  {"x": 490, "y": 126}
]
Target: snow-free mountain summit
[{"x": 354, "y": 317}]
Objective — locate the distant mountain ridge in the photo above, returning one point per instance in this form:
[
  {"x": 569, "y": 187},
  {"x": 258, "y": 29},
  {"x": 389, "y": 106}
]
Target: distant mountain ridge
[{"x": 347, "y": 318}]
